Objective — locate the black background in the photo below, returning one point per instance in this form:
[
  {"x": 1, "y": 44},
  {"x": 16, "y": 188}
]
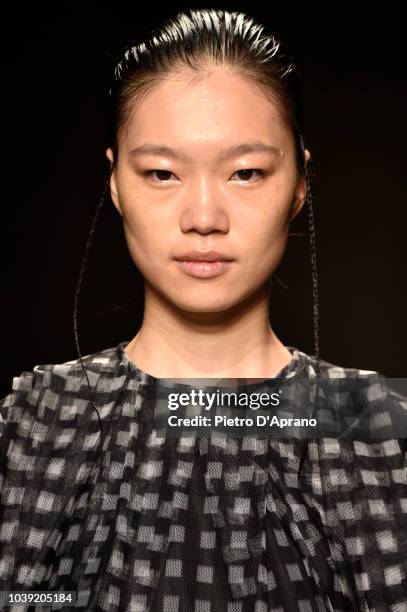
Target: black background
[{"x": 56, "y": 65}]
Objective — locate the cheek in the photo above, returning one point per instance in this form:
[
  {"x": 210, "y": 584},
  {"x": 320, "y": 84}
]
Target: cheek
[
  {"x": 141, "y": 231},
  {"x": 266, "y": 227},
  {"x": 268, "y": 210},
  {"x": 139, "y": 218},
  {"x": 148, "y": 242},
  {"x": 267, "y": 252},
  {"x": 264, "y": 240}
]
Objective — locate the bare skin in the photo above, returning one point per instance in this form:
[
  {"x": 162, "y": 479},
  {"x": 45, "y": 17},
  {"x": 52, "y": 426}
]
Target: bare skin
[{"x": 207, "y": 327}]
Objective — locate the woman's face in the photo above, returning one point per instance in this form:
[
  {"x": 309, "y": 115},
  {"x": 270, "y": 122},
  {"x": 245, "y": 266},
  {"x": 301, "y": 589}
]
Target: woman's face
[{"x": 199, "y": 196}]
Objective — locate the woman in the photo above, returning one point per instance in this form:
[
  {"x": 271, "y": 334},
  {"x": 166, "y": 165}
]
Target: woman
[{"x": 208, "y": 169}]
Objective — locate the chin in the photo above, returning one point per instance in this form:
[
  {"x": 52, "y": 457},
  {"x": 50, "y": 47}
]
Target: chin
[{"x": 203, "y": 304}]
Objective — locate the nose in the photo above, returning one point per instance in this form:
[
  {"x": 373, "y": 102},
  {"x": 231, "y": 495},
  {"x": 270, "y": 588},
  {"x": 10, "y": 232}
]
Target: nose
[{"x": 204, "y": 209}]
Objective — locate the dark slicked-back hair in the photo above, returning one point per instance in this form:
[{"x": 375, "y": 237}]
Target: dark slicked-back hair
[{"x": 195, "y": 40}]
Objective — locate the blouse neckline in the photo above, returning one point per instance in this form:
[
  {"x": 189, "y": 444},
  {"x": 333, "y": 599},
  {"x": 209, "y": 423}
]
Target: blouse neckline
[{"x": 294, "y": 367}]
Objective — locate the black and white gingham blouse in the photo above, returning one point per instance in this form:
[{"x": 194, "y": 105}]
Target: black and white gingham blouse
[{"x": 192, "y": 525}]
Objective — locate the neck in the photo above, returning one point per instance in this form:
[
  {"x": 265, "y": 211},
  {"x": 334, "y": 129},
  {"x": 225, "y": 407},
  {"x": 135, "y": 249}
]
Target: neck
[{"x": 238, "y": 343}]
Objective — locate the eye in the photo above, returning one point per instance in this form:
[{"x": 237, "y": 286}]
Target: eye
[
  {"x": 164, "y": 174},
  {"x": 245, "y": 171},
  {"x": 159, "y": 172}
]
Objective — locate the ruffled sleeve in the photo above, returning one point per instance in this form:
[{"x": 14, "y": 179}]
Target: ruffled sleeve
[
  {"x": 364, "y": 492},
  {"x": 10, "y": 408}
]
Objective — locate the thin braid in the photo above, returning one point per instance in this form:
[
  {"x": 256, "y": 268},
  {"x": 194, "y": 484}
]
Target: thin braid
[
  {"x": 313, "y": 249},
  {"x": 315, "y": 298},
  {"x": 75, "y": 326},
  {"x": 75, "y": 313},
  {"x": 75, "y": 310}
]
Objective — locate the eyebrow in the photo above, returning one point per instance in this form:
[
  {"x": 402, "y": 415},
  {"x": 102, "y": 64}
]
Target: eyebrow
[{"x": 240, "y": 149}]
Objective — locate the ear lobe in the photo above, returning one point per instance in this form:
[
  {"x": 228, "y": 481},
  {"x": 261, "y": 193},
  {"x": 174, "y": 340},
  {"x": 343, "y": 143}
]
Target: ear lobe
[
  {"x": 113, "y": 192},
  {"x": 299, "y": 198},
  {"x": 297, "y": 207},
  {"x": 301, "y": 191},
  {"x": 113, "y": 185},
  {"x": 109, "y": 155}
]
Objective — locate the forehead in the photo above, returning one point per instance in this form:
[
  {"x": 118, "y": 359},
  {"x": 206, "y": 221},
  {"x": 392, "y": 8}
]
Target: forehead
[{"x": 217, "y": 105}]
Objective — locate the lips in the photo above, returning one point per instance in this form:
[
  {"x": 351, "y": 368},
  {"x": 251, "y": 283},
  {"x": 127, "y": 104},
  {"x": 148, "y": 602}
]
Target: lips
[
  {"x": 203, "y": 268},
  {"x": 204, "y": 264},
  {"x": 209, "y": 256}
]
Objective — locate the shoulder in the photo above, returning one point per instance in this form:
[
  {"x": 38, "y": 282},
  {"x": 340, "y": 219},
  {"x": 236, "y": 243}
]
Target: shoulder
[
  {"x": 54, "y": 374},
  {"x": 365, "y": 402},
  {"x": 46, "y": 383},
  {"x": 329, "y": 369},
  {"x": 355, "y": 390}
]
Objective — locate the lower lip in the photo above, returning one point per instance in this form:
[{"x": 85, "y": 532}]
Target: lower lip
[{"x": 204, "y": 269}]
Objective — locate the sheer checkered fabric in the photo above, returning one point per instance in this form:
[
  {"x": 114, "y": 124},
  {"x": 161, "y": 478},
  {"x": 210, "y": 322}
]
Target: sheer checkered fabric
[{"x": 192, "y": 524}]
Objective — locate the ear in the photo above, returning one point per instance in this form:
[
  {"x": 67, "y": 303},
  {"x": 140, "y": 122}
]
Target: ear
[
  {"x": 300, "y": 192},
  {"x": 113, "y": 185}
]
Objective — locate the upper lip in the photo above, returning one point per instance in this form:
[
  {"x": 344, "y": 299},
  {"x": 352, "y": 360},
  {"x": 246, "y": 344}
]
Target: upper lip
[{"x": 203, "y": 256}]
